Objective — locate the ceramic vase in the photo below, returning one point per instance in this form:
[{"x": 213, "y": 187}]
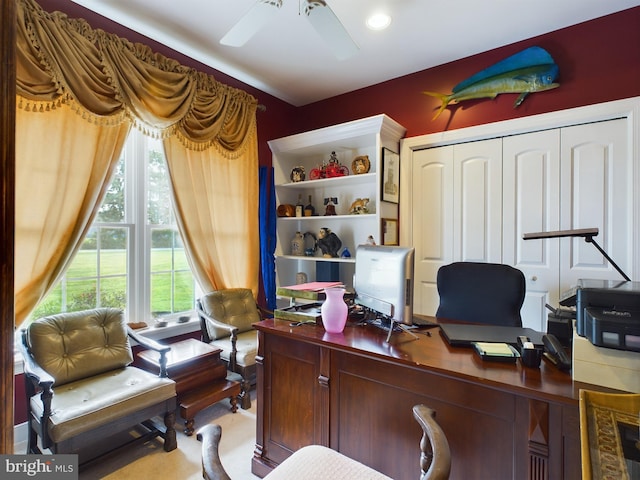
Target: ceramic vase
[
  {"x": 297, "y": 244},
  {"x": 334, "y": 310}
]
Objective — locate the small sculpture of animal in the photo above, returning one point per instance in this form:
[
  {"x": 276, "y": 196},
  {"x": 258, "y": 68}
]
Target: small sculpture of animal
[
  {"x": 328, "y": 243},
  {"x": 531, "y": 70},
  {"x": 359, "y": 206}
]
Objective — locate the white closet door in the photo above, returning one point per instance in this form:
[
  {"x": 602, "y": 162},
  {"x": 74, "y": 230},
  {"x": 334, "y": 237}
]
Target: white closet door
[
  {"x": 457, "y": 212},
  {"x": 596, "y": 191},
  {"x": 432, "y": 222},
  {"x": 531, "y": 189},
  {"x": 477, "y": 201}
]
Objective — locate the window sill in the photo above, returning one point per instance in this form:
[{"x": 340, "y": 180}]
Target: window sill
[{"x": 173, "y": 329}]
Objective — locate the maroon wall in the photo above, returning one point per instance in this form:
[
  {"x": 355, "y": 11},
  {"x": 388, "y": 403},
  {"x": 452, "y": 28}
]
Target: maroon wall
[{"x": 599, "y": 61}]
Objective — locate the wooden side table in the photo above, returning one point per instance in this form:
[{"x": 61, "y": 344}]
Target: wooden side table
[{"x": 200, "y": 376}]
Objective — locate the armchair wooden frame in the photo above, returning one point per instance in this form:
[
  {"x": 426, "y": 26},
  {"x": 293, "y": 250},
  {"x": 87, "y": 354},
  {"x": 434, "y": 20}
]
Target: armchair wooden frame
[
  {"x": 38, "y": 381},
  {"x": 247, "y": 372}
]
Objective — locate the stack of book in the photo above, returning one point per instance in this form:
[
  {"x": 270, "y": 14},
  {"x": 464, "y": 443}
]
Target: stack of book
[
  {"x": 307, "y": 291},
  {"x": 306, "y": 299}
]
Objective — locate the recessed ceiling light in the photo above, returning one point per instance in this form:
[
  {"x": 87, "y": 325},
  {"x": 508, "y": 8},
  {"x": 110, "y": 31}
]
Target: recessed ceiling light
[{"x": 379, "y": 21}]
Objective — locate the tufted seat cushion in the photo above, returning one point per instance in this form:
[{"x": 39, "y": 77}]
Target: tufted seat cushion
[
  {"x": 72, "y": 346},
  {"x": 246, "y": 345},
  {"x": 84, "y": 405},
  {"x": 235, "y": 305},
  {"x": 315, "y": 462}
]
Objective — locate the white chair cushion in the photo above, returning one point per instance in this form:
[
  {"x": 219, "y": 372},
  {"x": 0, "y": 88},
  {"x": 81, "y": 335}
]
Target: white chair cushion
[
  {"x": 315, "y": 462},
  {"x": 246, "y": 345},
  {"x": 86, "y": 404}
]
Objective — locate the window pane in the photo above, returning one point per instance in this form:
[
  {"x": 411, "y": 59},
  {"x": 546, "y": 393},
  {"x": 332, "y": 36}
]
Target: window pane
[
  {"x": 51, "y": 305},
  {"x": 160, "y": 293},
  {"x": 184, "y": 291},
  {"x": 161, "y": 249},
  {"x": 81, "y": 294},
  {"x": 85, "y": 263},
  {"x": 180, "y": 257},
  {"x": 113, "y": 292},
  {"x": 113, "y": 251},
  {"x": 113, "y": 205},
  {"x": 159, "y": 191}
]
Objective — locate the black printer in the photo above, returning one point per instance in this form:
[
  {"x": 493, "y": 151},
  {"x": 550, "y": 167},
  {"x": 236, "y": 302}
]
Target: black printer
[{"x": 608, "y": 313}]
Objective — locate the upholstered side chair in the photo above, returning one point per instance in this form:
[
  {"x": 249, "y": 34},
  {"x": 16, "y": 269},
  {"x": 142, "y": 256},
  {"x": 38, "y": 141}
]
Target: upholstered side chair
[
  {"x": 81, "y": 388},
  {"x": 477, "y": 292},
  {"x": 316, "y": 462},
  {"x": 226, "y": 322}
]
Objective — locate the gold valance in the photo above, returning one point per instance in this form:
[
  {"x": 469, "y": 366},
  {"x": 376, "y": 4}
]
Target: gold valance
[{"x": 59, "y": 58}]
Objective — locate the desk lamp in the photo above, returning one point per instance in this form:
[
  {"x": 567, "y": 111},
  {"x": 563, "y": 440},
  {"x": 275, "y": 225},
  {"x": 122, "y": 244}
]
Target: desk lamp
[{"x": 586, "y": 233}]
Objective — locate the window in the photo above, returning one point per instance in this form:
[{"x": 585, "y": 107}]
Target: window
[{"x": 133, "y": 257}]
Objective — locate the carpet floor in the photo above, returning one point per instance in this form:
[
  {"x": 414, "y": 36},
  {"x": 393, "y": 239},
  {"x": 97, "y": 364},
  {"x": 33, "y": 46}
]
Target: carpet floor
[{"x": 149, "y": 460}]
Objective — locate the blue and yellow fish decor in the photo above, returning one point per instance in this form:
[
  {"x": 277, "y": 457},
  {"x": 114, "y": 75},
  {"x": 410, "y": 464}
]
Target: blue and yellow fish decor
[{"x": 531, "y": 70}]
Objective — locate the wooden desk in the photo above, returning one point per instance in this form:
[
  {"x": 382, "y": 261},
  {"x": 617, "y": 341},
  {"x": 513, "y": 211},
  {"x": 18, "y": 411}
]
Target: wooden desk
[
  {"x": 200, "y": 376},
  {"x": 354, "y": 393}
]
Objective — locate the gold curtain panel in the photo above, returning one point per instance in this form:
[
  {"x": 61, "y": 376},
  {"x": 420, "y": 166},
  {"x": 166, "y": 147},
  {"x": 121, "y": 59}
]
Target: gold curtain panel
[{"x": 59, "y": 59}]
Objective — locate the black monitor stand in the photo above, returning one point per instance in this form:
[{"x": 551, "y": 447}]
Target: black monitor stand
[{"x": 387, "y": 324}]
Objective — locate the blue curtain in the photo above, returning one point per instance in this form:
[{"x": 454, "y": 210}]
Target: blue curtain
[{"x": 267, "y": 213}]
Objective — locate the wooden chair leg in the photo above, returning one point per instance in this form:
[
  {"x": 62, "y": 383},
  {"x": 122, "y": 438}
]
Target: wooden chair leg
[
  {"x": 233, "y": 400},
  {"x": 170, "y": 441},
  {"x": 245, "y": 395}
]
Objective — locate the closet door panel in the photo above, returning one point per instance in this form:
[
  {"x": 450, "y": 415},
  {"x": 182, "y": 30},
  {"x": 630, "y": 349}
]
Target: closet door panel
[
  {"x": 432, "y": 223},
  {"x": 597, "y": 175},
  {"x": 477, "y": 204},
  {"x": 531, "y": 174}
]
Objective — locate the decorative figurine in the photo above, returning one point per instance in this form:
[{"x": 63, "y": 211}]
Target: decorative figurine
[
  {"x": 330, "y": 203},
  {"x": 329, "y": 243},
  {"x": 297, "y": 174},
  {"x": 370, "y": 240},
  {"x": 360, "y": 164},
  {"x": 345, "y": 253},
  {"x": 359, "y": 207},
  {"x": 330, "y": 169}
]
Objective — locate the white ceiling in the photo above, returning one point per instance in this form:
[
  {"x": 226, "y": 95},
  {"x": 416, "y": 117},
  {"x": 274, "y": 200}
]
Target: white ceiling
[{"x": 289, "y": 60}]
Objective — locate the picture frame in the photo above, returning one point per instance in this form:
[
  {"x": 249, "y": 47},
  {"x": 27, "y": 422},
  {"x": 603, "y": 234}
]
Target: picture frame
[
  {"x": 390, "y": 176},
  {"x": 389, "y": 230}
]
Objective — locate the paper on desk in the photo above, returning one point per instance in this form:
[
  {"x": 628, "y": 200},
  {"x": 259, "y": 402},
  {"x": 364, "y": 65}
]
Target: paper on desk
[{"x": 495, "y": 349}]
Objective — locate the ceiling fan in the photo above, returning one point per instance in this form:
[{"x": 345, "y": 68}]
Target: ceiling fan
[{"x": 319, "y": 14}]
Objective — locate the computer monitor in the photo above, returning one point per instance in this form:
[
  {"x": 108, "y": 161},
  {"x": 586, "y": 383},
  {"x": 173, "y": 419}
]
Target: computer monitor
[{"x": 384, "y": 281}]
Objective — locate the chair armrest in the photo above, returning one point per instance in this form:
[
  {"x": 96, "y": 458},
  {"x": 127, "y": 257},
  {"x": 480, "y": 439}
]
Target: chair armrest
[
  {"x": 212, "y": 468},
  {"x": 264, "y": 312},
  {"x": 31, "y": 368},
  {"x": 147, "y": 342},
  {"x": 218, "y": 324},
  {"x": 153, "y": 345},
  {"x": 435, "y": 457}
]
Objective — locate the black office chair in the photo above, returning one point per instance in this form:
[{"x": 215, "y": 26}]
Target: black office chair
[{"x": 490, "y": 293}]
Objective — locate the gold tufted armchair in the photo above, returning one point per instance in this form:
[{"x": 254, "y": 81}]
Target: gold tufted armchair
[
  {"x": 80, "y": 387},
  {"x": 226, "y": 319}
]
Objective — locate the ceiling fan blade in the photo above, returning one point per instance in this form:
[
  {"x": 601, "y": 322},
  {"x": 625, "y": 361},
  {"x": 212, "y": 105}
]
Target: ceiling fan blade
[
  {"x": 252, "y": 21},
  {"x": 330, "y": 28}
]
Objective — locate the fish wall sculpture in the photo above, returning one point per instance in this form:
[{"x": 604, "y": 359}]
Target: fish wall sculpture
[{"x": 531, "y": 70}]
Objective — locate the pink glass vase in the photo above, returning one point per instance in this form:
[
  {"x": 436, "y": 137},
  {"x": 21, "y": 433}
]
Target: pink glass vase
[{"x": 334, "y": 310}]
